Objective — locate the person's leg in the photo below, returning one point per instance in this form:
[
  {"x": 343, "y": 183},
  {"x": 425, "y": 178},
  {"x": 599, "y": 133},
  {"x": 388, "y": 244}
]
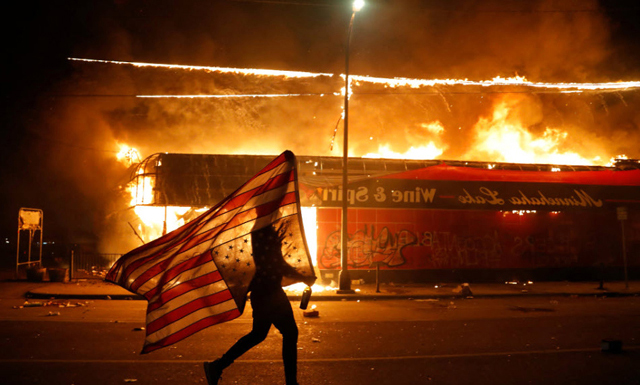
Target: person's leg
[
  {"x": 256, "y": 335},
  {"x": 289, "y": 330},
  {"x": 213, "y": 370}
]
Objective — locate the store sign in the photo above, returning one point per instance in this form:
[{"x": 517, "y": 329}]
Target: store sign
[{"x": 423, "y": 194}]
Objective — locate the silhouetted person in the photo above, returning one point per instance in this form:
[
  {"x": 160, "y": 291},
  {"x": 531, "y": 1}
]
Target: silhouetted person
[{"x": 270, "y": 307}]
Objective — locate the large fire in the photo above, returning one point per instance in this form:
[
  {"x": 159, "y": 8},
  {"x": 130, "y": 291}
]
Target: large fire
[
  {"x": 504, "y": 138},
  {"x": 504, "y": 135},
  {"x": 431, "y": 150}
]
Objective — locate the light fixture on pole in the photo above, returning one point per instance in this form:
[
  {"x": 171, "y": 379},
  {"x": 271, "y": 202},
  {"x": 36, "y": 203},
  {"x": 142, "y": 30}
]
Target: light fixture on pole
[{"x": 345, "y": 279}]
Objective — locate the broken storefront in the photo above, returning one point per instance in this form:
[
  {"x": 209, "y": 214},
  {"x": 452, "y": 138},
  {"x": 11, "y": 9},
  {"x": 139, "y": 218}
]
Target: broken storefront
[{"x": 432, "y": 221}]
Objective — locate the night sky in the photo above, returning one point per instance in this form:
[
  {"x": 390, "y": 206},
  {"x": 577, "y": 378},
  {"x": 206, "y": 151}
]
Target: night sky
[{"x": 61, "y": 119}]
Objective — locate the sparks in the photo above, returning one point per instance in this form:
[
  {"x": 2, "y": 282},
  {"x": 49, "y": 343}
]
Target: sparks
[
  {"x": 516, "y": 81},
  {"x": 225, "y": 96},
  {"x": 242, "y": 71}
]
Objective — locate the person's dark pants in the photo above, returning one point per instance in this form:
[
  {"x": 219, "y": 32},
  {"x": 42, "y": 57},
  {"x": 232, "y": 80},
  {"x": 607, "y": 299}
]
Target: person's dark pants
[{"x": 289, "y": 330}]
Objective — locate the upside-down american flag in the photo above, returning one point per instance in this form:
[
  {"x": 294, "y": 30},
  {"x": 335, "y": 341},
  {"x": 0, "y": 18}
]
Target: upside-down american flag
[{"x": 198, "y": 275}]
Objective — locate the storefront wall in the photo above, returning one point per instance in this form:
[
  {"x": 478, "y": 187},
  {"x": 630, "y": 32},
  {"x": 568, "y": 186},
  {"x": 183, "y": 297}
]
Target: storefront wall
[{"x": 417, "y": 243}]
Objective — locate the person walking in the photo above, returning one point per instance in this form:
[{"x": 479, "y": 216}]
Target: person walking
[{"x": 270, "y": 307}]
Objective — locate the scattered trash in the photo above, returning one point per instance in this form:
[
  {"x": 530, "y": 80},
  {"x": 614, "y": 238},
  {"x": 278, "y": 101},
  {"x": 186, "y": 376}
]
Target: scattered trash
[
  {"x": 138, "y": 329},
  {"x": 51, "y": 313},
  {"x": 311, "y": 313},
  {"x": 107, "y": 297},
  {"x": 130, "y": 380},
  {"x": 464, "y": 290},
  {"x": 51, "y": 303},
  {"x": 315, "y": 340},
  {"x": 530, "y": 309},
  {"x": 450, "y": 305}
]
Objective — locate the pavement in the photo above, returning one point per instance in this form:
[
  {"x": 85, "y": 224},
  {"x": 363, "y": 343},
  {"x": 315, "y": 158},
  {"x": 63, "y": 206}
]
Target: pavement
[{"x": 99, "y": 289}]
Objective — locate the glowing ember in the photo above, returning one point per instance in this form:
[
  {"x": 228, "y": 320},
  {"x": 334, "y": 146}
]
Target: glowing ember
[
  {"x": 127, "y": 155},
  {"x": 393, "y": 82},
  {"x": 241, "y": 71},
  {"x": 223, "y": 96}
]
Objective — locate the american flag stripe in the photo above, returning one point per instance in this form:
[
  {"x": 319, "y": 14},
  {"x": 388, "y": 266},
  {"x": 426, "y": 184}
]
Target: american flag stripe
[
  {"x": 171, "y": 267},
  {"x": 277, "y": 167},
  {"x": 252, "y": 221},
  {"x": 184, "y": 274},
  {"x": 253, "y": 203},
  {"x": 188, "y": 319},
  {"x": 157, "y": 266},
  {"x": 150, "y": 288},
  {"x": 157, "y": 342},
  {"x": 173, "y": 282},
  {"x": 201, "y": 236},
  {"x": 211, "y": 282},
  {"x": 187, "y": 303},
  {"x": 172, "y": 313},
  {"x": 252, "y": 184},
  {"x": 275, "y": 182}
]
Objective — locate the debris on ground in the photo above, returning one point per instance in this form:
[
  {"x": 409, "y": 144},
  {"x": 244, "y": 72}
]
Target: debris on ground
[
  {"x": 531, "y": 309},
  {"x": 311, "y": 313},
  {"x": 51, "y": 304},
  {"x": 464, "y": 290}
]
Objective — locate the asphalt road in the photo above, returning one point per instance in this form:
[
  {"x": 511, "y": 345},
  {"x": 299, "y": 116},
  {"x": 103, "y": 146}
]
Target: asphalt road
[{"x": 542, "y": 340}]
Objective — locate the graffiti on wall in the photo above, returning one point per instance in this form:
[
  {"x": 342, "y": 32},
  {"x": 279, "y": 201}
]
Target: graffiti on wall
[
  {"x": 433, "y": 239},
  {"x": 447, "y": 250},
  {"x": 366, "y": 248}
]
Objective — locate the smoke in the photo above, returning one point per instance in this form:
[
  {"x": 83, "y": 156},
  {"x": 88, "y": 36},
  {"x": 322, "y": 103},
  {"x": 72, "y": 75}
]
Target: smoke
[{"x": 462, "y": 39}]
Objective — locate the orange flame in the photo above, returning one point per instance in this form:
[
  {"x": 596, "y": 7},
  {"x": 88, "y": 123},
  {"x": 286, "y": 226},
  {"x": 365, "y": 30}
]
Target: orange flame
[{"x": 504, "y": 138}]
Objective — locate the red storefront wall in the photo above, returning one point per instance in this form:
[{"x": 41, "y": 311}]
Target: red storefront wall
[{"x": 413, "y": 239}]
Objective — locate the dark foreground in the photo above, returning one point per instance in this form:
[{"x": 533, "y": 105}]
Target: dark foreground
[{"x": 542, "y": 340}]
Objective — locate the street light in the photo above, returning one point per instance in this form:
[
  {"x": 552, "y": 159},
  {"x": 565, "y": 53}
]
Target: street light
[{"x": 345, "y": 279}]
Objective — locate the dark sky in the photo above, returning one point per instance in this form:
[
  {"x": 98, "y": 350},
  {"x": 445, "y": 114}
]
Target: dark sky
[{"x": 61, "y": 118}]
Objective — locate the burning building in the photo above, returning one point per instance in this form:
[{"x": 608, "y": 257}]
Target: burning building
[{"x": 426, "y": 220}]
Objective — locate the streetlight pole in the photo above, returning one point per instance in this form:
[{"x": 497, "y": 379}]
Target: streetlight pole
[{"x": 345, "y": 279}]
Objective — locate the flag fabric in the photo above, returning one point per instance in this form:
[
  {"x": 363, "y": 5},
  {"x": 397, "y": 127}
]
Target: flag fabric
[{"x": 198, "y": 275}]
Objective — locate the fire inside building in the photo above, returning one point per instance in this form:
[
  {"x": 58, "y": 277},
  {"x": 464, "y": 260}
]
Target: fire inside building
[{"x": 428, "y": 220}]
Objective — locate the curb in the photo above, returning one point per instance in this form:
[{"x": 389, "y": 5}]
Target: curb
[{"x": 346, "y": 297}]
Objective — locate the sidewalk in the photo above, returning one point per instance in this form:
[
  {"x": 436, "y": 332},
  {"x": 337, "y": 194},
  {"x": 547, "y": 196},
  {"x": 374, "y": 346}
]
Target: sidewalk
[{"x": 98, "y": 289}]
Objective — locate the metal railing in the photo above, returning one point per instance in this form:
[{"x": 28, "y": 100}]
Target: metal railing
[{"x": 91, "y": 265}]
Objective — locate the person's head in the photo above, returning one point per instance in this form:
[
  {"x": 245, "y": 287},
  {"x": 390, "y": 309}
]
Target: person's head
[{"x": 266, "y": 242}]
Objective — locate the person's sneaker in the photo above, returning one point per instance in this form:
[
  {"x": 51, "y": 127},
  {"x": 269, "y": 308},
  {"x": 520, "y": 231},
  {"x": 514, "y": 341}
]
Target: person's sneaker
[{"x": 213, "y": 372}]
